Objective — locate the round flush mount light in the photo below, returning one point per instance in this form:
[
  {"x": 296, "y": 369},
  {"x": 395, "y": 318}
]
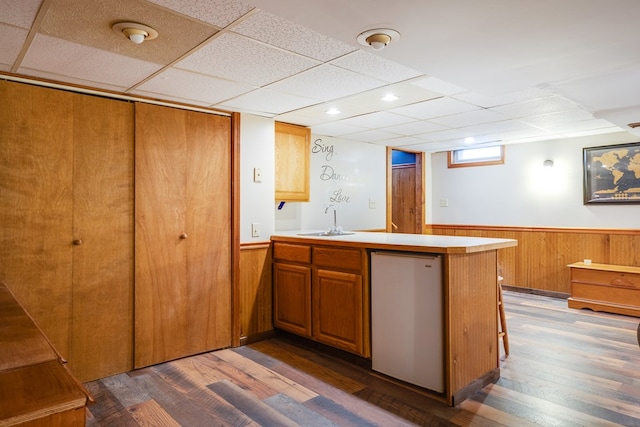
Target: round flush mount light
[
  {"x": 378, "y": 38},
  {"x": 134, "y": 31}
]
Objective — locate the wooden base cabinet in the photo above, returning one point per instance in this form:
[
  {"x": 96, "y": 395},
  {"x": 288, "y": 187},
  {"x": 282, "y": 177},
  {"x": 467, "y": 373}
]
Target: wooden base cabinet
[{"x": 319, "y": 293}]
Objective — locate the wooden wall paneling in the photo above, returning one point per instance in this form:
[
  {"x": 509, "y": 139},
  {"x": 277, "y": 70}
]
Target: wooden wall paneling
[
  {"x": 472, "y": 337},
  {"x": 182, "y": 233},
  {"x": 256, "y": 295},
  {"x": 102, "y": 327},
  {"x": 624, "y": 249},
  {"x": 36, "y": 171},
  {"x": 540, "y": 260}
]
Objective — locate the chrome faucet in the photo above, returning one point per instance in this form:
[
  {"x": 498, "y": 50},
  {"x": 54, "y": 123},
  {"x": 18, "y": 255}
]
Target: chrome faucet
[{"x": 335, "y": 220}]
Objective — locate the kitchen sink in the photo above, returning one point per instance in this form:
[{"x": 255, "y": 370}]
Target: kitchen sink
[{"x": 327, "y": 233}]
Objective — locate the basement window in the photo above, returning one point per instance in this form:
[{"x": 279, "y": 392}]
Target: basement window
[{"x": 483, "y": 156}]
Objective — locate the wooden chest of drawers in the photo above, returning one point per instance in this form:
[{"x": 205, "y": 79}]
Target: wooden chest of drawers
[{"x": 605, "y": 287}]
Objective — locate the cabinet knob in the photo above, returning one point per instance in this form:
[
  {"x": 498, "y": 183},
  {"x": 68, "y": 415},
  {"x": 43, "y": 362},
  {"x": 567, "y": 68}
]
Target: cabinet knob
[
  {"x": 77, "y": 242},
  {"x": 183, "y": 236}
]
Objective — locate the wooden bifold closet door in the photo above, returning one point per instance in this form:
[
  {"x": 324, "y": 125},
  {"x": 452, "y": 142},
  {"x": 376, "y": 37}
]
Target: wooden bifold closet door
[{"x": 182, "y": 233}]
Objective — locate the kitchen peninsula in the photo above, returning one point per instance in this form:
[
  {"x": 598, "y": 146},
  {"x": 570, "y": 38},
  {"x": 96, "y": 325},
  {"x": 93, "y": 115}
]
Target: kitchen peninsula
[{"x": 322, "y": 291}]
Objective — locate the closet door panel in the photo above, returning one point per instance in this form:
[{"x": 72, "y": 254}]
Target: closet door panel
[
  {"x": 36, "y": 170},
  {"x": 209, "y": 225},
  {"x": 102, "y": 334}
]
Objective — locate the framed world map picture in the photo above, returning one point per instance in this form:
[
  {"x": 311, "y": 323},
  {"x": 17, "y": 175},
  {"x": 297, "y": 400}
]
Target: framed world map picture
[{"x": 612, "y": 174}]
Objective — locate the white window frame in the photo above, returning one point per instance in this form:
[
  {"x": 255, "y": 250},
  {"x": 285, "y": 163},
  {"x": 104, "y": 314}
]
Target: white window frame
[{"x": 455, "y": 158}]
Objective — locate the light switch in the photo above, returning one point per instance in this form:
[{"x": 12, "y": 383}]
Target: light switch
[
  {"x": 257, "y": 175},
  {"x": 255, "y": 229}
]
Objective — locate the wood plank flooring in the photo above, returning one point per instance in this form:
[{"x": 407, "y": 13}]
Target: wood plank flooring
[{"x": 566, "y": 368}]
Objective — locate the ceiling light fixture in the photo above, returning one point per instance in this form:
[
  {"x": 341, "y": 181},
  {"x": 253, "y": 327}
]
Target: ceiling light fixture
[
  {"x": 134, "y": 31},
  {"x": 333, "y": 111},
  {"x": 389, "y": 97},
  {"x": 378, "y": 38}
]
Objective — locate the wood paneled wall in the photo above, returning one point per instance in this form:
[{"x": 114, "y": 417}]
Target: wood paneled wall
[
  {"x": 540, "y": 260},
  {"x": 256, "y": 297}
]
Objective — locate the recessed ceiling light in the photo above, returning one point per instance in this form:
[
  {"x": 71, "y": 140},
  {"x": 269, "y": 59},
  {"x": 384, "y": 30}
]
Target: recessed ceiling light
[
  {"x": 134, "y": 31},
  {"x": 389, "y": 97},
  {"x": 469, "y": 140},
  {"x": 333, "y": 111}
]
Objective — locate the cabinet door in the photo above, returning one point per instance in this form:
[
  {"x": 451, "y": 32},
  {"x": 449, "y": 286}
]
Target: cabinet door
[
  {"x": 292, "y": 298},
  {"x": 292, "y": 146},
  {"x": 338, "y": 309},
  {"x": 182, "y": 233},
  {"x": 36, "y": 203},
  {"x": 102, "y": 329}
]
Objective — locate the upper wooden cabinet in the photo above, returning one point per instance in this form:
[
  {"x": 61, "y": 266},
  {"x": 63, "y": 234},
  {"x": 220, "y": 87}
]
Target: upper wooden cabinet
[{"x": 292, "y": 162}]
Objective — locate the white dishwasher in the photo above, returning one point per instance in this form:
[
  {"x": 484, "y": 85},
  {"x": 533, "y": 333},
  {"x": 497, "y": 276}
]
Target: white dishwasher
[{"x": 407, "y": 318}]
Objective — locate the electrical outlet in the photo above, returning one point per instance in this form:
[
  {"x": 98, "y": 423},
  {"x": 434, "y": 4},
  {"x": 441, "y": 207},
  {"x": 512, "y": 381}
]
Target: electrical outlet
[
  {"x": 255, "y": 229},
  {"x": 372, "y": 204},
  {"x": 444, "y": 203}
]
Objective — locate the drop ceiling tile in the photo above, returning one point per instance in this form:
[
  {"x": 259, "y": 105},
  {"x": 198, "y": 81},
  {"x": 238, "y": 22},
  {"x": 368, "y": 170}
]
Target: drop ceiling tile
[
  {"x": 375, "y": 66},
  {"x": 286, "y": 35},
  {"x": 469, "y": 118},
  {"x": 579, "y": 126},
  {"x": 418, "y": 127},
  {"x": 553, "y": 119},
  {"x": 20, "y": 13},
  {"x": 299, "y": 119},
  {"x": 434, "y": 108},
  {"x": 403, "y": 141},
  {"x": 377, "y": 120},
  {"x": 445, "y": 135},
  {"x": 187, "y": 85},
  {"x": 241, "y": 59},
  {"x": 217, "y": 12},
  {"x": 370, "y": 136},
  {"x": 70, "y": 59},
  {"x": 92, "y": 21},
  {"x": 535, "y": 107},
  {"x": 326, "y": 82},
  {"x": 589, "y": 132},
  {"x": 404, "y": 91},
  {"x": 12, "y": 40},
  {"x": 439, "y": 86},
  {"x": 487, "y": 101},
  {"x": 335, "y": 129},
  {"x": 265, "y": 101},
  {"x": 501, "y": 126}
]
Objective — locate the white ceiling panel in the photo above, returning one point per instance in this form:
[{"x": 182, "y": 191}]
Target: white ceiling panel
[
  {"x": 373, "y": 66},
  {"x": 265, "y": 101},
  {"x": 187, "y": 85},
  {"x": 440, "y": 86},
  {"x": 326, "y": 82},
  {"x": 370, "y": 136},
  {"x": 217, "y": 12},
  {"x": 417, "y": 127},
  {"x": 20, "y": 13},
  {"x": 438, "y": 107},
  {"x": 63, "y": 58},
  {"x": 12, "y": 41},
  {"x": 378, "y": 120},
  {"x": 336, "y": 129},
  {"x": 286, "y": 35},
  {"x": 469, "y": 118},
  {"x": 241, "y": 59}
]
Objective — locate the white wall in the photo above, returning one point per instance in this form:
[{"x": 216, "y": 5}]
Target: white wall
[
  {"x": 257, "y": 150},
  {"x": 523, "y": 193},
  {"x": 348, "y": 175}
]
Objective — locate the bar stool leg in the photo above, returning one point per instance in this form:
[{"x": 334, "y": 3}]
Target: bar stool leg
[{"x": 502, "y": 333}]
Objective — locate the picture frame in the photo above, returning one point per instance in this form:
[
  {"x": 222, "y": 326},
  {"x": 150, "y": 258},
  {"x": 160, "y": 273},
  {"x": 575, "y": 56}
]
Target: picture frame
[{"x": 612, "y": 174}]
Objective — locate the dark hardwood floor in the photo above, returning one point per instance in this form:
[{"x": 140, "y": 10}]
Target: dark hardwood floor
[{"x": 566, "y": 368}]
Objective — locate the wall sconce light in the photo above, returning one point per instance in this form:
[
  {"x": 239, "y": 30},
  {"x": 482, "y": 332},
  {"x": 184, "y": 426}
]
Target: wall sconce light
[
  {"x": 378, "y": 38},
  {"x": 548, "y": 163},
  {"x": 135, "y": 32}
]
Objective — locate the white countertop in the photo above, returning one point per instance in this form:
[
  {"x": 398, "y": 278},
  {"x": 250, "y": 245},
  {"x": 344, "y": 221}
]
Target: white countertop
[{"x": 400, "y": 241}]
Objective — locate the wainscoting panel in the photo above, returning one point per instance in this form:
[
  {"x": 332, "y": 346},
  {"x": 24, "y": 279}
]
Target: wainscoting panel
[
  {"x": 255, "y": 292},
  {"x": 540, "y": 260}
]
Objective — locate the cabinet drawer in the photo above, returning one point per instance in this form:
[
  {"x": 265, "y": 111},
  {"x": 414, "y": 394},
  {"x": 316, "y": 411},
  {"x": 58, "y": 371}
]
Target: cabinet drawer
[
  {"x": 343, "y": 259},
  {"x": 606, "y": 278},
  {"x": 605, "y": 294},
  {"x": 292, "y": 252}
]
